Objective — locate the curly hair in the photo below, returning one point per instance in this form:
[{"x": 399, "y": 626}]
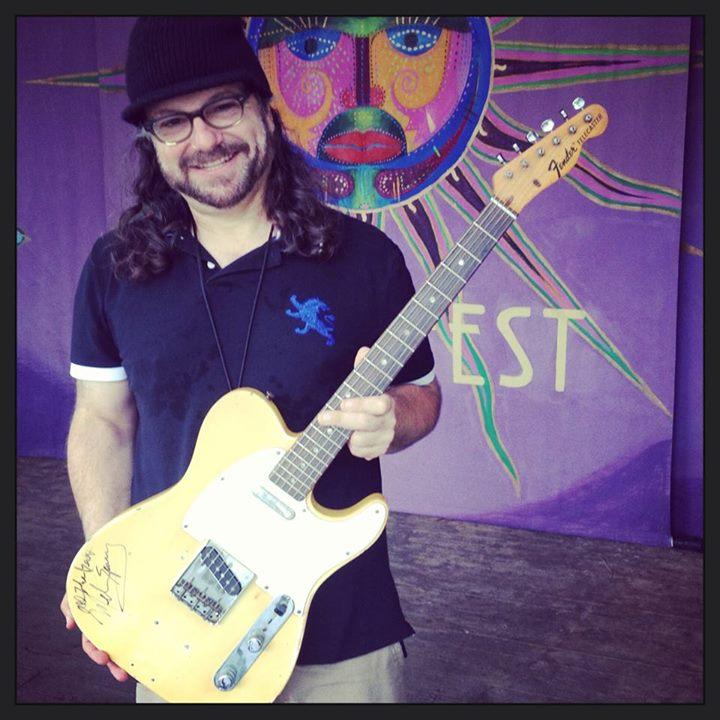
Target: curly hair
[{"x": 144, "y": 239}]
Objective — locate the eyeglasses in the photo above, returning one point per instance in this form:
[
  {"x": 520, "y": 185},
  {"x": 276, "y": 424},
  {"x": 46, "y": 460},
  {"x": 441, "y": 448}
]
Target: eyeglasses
[{"x": 177, "y": 127}]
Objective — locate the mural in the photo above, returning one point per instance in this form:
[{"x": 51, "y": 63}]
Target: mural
[
  {"x": 385, "y": 107},
  {"x": 382, "y": 107},
  {"x": 404, "y": 119}
]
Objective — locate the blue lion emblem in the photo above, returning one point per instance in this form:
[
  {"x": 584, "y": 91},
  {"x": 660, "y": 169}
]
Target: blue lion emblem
[{"x": 316, "y": 315}]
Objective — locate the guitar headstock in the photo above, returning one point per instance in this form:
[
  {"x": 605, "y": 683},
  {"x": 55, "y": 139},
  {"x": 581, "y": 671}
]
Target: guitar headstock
[{"x": 548, "y": 159}]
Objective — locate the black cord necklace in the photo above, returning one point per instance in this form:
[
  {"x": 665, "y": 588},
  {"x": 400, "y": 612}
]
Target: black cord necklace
[{"x": 252, "y": 311}]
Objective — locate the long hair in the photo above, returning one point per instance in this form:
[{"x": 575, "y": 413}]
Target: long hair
[{"x": 144, "y": 240}]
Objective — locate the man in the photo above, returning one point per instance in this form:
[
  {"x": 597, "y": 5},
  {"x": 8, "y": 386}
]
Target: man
[{"x": 229, "y": 271}]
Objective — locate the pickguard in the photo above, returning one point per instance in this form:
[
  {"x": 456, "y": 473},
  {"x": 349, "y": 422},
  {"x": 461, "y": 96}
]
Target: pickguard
[{"x": 290, "y": 552}]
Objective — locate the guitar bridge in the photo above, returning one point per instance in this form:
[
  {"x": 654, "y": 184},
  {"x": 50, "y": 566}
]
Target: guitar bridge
[{"x": 212, "y": 583}]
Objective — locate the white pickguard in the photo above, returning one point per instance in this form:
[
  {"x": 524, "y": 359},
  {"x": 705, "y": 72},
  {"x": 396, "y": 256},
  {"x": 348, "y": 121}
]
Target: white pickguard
[{"x": 287, "y": 555}]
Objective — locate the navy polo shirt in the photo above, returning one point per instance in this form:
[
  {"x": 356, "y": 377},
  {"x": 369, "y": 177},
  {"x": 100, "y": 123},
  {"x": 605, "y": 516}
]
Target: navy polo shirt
[{"x": 156, "y": 334}]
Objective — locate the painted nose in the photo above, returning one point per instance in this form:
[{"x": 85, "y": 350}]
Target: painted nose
[
  {"x": 375, "y": 97},
  {"x": 365, "y": 92}
]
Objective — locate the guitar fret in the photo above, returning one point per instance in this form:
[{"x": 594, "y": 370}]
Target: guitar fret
[
  {"x": 368, "y": 360},
  {"x": 413, "y": 325},
  {"x": 438, "y": 290},
  {"x": 466, "y": 249},
  {"x": 323, "y": 437},
  {"x": 288, "y": 484},
  {"x": 511, "y": 214},
  {"x": 290, "y": 479},
  {"x": 312, "y": 452},
  {"x": 288, "y": 458},
  {"x": 279, "y": 482},
  {"x": 345, "y": 395},
  {"x": 460, "y": 277},
  {"x": 427, "y": 310},
  {"x": 357, "y": 375},
  {"x": 484, "y": 231},
  {"x": 385, "y": 352},
  {"x": 364, "y": 379},
  {"x": 400, "y": 340},
  {"x": 331, "y": 440}
]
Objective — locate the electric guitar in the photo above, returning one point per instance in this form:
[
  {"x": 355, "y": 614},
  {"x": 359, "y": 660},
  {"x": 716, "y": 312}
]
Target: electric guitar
[{"x": 202, "y": 591}]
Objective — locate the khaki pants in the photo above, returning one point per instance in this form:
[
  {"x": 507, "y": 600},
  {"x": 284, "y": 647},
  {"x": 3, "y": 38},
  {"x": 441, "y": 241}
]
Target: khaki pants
[{"x": 377, "y": 677}]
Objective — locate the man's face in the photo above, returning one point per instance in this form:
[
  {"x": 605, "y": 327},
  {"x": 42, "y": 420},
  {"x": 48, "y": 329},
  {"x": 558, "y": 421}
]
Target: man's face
[{"x": 219, "y": 168}]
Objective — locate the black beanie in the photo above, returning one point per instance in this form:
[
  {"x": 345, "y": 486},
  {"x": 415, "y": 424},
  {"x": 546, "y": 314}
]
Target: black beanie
[{"x": 175, "y": 55}]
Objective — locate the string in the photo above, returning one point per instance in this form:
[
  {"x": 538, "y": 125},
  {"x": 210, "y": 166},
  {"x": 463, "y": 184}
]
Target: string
[{"x": 252, "y": 312}]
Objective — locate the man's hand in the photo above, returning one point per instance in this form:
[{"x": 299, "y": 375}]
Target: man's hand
[
  {"x": 98, "y": 656},
  {"x": 389, "y": 422},
  {"x": 372, "y": 420}
]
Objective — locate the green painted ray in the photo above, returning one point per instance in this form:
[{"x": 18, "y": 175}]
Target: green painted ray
[{"x": 673, "y": 69}]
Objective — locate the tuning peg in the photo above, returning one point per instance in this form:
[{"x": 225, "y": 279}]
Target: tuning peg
[
  {"x": 516, "y": 148},
  {"x": 500, "y": 159},
  {"x": 564, "y": 115},
  {"x": 578, "y": 103},
  {"x": 531, "y": 136},
  {"x": 547, "y": 125}
]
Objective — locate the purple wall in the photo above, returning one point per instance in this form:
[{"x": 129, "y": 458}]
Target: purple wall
[
  {"x": 687, "y": 458},
  {"x": 593, "y": 459}
]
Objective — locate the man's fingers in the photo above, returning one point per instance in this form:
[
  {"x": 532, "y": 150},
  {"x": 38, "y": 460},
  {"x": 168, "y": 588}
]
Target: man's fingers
[
  {"x": 351, "y": 411},
  {"x": 366, "y": 448},
  {"x": 374, "y": 405},
  {"x": 117, "y": 672},
  {"x": 351, "y": 420},
  {"x": 102, "y": 658},
  {"x": 65, "y": 610},
  {"x": 98, "y": 656},
  {"x": 361, "y": 353}
]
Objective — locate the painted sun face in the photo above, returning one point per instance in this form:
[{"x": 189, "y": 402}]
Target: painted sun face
[{"x": 382, "y": 107}]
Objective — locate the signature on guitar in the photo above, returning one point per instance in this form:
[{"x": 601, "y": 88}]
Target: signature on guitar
[{"x": 99, "y": 588}]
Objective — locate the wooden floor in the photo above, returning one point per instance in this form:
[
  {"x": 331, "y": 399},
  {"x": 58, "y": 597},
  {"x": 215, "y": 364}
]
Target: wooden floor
[{"x": 501, "y": 615}]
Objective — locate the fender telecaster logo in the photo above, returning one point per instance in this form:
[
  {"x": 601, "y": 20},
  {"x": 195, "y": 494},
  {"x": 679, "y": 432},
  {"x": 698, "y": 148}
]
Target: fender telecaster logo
[{"x": 573, "y": 149}]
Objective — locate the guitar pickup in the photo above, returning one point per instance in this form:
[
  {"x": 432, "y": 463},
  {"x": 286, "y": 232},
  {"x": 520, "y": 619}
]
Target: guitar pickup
[{"x": 212, "y": 583}]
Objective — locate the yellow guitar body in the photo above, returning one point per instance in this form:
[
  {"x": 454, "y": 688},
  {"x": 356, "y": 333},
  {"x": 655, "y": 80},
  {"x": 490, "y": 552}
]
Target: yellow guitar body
[{"x": 123, "y": 583}]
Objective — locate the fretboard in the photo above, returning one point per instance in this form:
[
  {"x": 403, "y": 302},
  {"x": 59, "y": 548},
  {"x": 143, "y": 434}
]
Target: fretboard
[{"x": 316, "y": 447}]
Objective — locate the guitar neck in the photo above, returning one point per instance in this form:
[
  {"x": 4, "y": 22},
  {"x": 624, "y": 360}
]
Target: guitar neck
[{"x": 317, "y": 446}]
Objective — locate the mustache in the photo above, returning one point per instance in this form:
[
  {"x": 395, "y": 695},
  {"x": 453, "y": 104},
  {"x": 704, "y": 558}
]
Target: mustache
[{"x": 217, "y": 153}]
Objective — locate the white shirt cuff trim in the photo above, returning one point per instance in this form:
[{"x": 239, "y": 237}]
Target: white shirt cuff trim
[
  {"x": 425, "y": 379},
  {"x": 84, "y": 372}
]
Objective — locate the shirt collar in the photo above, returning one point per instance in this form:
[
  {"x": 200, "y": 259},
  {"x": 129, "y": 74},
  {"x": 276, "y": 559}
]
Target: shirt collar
[{"x": 188, "y": 243}]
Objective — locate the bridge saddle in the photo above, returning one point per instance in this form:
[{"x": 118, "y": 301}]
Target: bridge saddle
[{"x": 212, "y": 583}]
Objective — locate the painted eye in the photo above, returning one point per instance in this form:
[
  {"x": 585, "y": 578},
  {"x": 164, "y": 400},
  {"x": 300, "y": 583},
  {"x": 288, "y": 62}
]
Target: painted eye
[
  {"x": 313, "y": 44},
  {"x": 413, "y": 39}
]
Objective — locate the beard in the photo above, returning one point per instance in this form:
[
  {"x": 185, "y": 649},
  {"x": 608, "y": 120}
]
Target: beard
[{"x": 221, "y": 192}]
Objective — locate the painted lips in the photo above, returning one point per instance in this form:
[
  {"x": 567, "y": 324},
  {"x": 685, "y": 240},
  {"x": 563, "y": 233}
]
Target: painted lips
[{"x": 363, "y": 146}]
